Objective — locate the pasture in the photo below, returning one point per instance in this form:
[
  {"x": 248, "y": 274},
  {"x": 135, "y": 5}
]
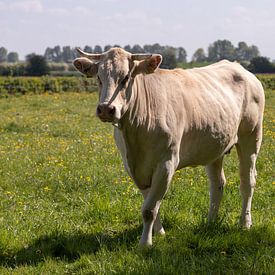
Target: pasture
[{"x": 68, "y": 207}]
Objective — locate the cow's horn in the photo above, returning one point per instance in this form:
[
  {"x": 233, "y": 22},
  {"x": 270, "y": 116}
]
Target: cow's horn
[
  {"x": 141, "y": 56},
  {"x": 92, "y": 56}
]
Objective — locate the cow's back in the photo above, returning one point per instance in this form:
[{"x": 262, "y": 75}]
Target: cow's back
[
  {"x": 227, "y": 101},
  {"x": 240, "y": 85}
]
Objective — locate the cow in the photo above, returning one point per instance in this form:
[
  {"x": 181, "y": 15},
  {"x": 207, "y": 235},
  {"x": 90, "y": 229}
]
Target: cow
[{"x": 165, "y": 120}]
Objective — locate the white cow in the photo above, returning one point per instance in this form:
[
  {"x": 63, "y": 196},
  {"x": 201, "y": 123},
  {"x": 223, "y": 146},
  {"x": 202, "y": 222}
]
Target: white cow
[{"x": 169, "y": 119}]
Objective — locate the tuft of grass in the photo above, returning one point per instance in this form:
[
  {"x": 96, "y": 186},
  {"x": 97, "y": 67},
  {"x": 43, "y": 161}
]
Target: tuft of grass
[{"x": 67, "y": 205}]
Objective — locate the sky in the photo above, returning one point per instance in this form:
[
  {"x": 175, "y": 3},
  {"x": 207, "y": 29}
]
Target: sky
[{"x": 28, "y": 26}]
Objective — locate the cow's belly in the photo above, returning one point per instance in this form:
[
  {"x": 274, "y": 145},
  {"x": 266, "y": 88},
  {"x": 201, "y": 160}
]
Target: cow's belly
[{"x": 203, "y": 148}]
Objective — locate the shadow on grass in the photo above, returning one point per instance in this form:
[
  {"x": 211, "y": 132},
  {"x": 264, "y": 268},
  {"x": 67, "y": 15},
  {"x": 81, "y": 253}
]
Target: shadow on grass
[
  {"x": 69, "y": 248},
  {"x": 190, "y": 243},
  {"x": 214, "y": 249}
]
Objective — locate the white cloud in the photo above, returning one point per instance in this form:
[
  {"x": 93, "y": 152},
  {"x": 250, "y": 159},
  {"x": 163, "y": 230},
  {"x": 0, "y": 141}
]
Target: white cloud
[
  {"x": 81, "y": 11},
  {"x": 33, "y": 6},
  {"x": 58, "y": 11},
  {"x": 134, "y": 19},
  {"x": 27, "y": 6}
]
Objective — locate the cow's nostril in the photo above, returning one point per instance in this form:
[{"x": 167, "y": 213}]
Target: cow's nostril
[
  {"x": 106, "y": 112},
  {"x": 112, "y": 110},
  {"x": 99, "y": 110}
]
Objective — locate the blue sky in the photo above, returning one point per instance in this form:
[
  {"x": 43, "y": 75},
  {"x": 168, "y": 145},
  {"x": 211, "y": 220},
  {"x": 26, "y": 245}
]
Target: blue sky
[{"x": 31, "y": 25}]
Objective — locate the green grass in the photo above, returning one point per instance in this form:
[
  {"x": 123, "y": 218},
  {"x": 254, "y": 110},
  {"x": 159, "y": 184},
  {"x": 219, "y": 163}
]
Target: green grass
[{"x": 67, "y": 205}]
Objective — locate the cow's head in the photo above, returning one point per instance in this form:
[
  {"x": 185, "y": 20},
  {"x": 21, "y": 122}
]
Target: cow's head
[{"x": 115, "y": 71}]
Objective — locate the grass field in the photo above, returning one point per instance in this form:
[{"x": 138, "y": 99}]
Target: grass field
[{"x": 68, "y": 207}]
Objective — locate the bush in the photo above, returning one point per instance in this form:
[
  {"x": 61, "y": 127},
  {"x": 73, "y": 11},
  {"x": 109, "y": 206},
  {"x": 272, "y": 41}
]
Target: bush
[
  {"x": 37, "y": 85},
  {"x": 20, "y": 69},
  {"x": 261, "y": 64},
  {"x": 8, "y": 69},
  {"x": 37, "y": 65}
]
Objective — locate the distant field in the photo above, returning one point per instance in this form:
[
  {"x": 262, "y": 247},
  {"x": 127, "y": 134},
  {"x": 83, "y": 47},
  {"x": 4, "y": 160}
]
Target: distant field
[{"x": 67, "y": 205}]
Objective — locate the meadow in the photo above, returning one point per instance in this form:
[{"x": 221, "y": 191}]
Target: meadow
[{"x": 68, "y": 207}]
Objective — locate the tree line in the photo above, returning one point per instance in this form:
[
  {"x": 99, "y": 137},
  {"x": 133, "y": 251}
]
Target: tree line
[
  {"x": 248, "y": 55},
  {"x": 220, "y": 49},
  {"x": 171, "y": 55}
]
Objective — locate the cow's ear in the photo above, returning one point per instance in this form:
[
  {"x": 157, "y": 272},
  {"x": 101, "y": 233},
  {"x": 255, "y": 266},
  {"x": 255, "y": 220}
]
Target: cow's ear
[
  {"x": 148, "y": 65},
  {"x": 86, "y": 66}
]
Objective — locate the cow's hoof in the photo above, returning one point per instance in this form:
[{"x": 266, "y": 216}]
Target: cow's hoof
[
  {"x": 160, "y": 232},
  {"x": 145, "y": 244},
  {"x": 245, "y": 223}
]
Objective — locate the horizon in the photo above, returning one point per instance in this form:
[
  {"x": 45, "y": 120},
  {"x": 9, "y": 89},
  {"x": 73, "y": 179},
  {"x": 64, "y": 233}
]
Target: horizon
[
  {"x": 29, "y": 26},
  {"x": 189, "y": 57}
]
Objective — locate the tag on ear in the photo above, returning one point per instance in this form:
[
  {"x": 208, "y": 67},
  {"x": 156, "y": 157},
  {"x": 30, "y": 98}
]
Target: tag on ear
[{"x": 148, "y": 65}]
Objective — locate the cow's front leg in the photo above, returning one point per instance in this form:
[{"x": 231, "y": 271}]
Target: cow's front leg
[
  {"x": 157, "y": 227},
  {"x": 160, "y": 181}
]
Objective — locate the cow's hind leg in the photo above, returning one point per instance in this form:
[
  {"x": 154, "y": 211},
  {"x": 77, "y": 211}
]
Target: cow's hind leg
[
  {"x": 217, "y": 182},
  {"x": 248, "y": 148},
  {"x": 157, "y": 227}
]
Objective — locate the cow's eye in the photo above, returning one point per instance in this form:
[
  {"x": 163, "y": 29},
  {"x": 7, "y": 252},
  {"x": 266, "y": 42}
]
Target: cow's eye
[
  {"x": 99, "y": 81},
  {"x": 124, "y": 80}
]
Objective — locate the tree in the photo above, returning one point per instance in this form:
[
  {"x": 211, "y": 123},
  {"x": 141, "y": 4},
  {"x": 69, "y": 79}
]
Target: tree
[
  {"x": 261, "y": 64},
  {"x": 252, "y": 52},
  {"x": 155, "y": 48},
  {"x": 199, "y": 55},
  {"x": 13, "y": 57},
  {"x": 128, "y": 48},
  {"x": 181, "y": 55},
  {"x": 148, "y": 49},
  {"x": 116, "y": 46},
  {"x": 107, "y": 48},
  {"x": 49, "y": 54},
  {"x": 97, "y": 49},
  {"x": 37, "y": 65},
  {"x": 53, "y": 54},
  {"x": 3, "y": 54},
  {"x": 246, "y": 53},
  {"x": 221, "y": 49},
  {"x": 57, "y": 54},
  {"x": 88, "y": 49},
  {"x": 169, "y": 58},
  {"x": 67, "y": 54},
  {"x": 137, "y": 49},
  {"x": 241, "y": 51}
]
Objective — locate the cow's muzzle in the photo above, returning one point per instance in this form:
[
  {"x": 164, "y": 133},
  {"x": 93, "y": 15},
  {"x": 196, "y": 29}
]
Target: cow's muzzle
[{"x": 106, "y": 112}]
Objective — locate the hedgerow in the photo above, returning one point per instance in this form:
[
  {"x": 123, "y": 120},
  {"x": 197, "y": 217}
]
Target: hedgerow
[{"x": 38, "y": 85}]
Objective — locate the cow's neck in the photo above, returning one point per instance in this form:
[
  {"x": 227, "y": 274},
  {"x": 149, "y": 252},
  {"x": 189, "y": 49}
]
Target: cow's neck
[
  {"x": 142, "y": 106},
  {"x": 140, "y": 132}
]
